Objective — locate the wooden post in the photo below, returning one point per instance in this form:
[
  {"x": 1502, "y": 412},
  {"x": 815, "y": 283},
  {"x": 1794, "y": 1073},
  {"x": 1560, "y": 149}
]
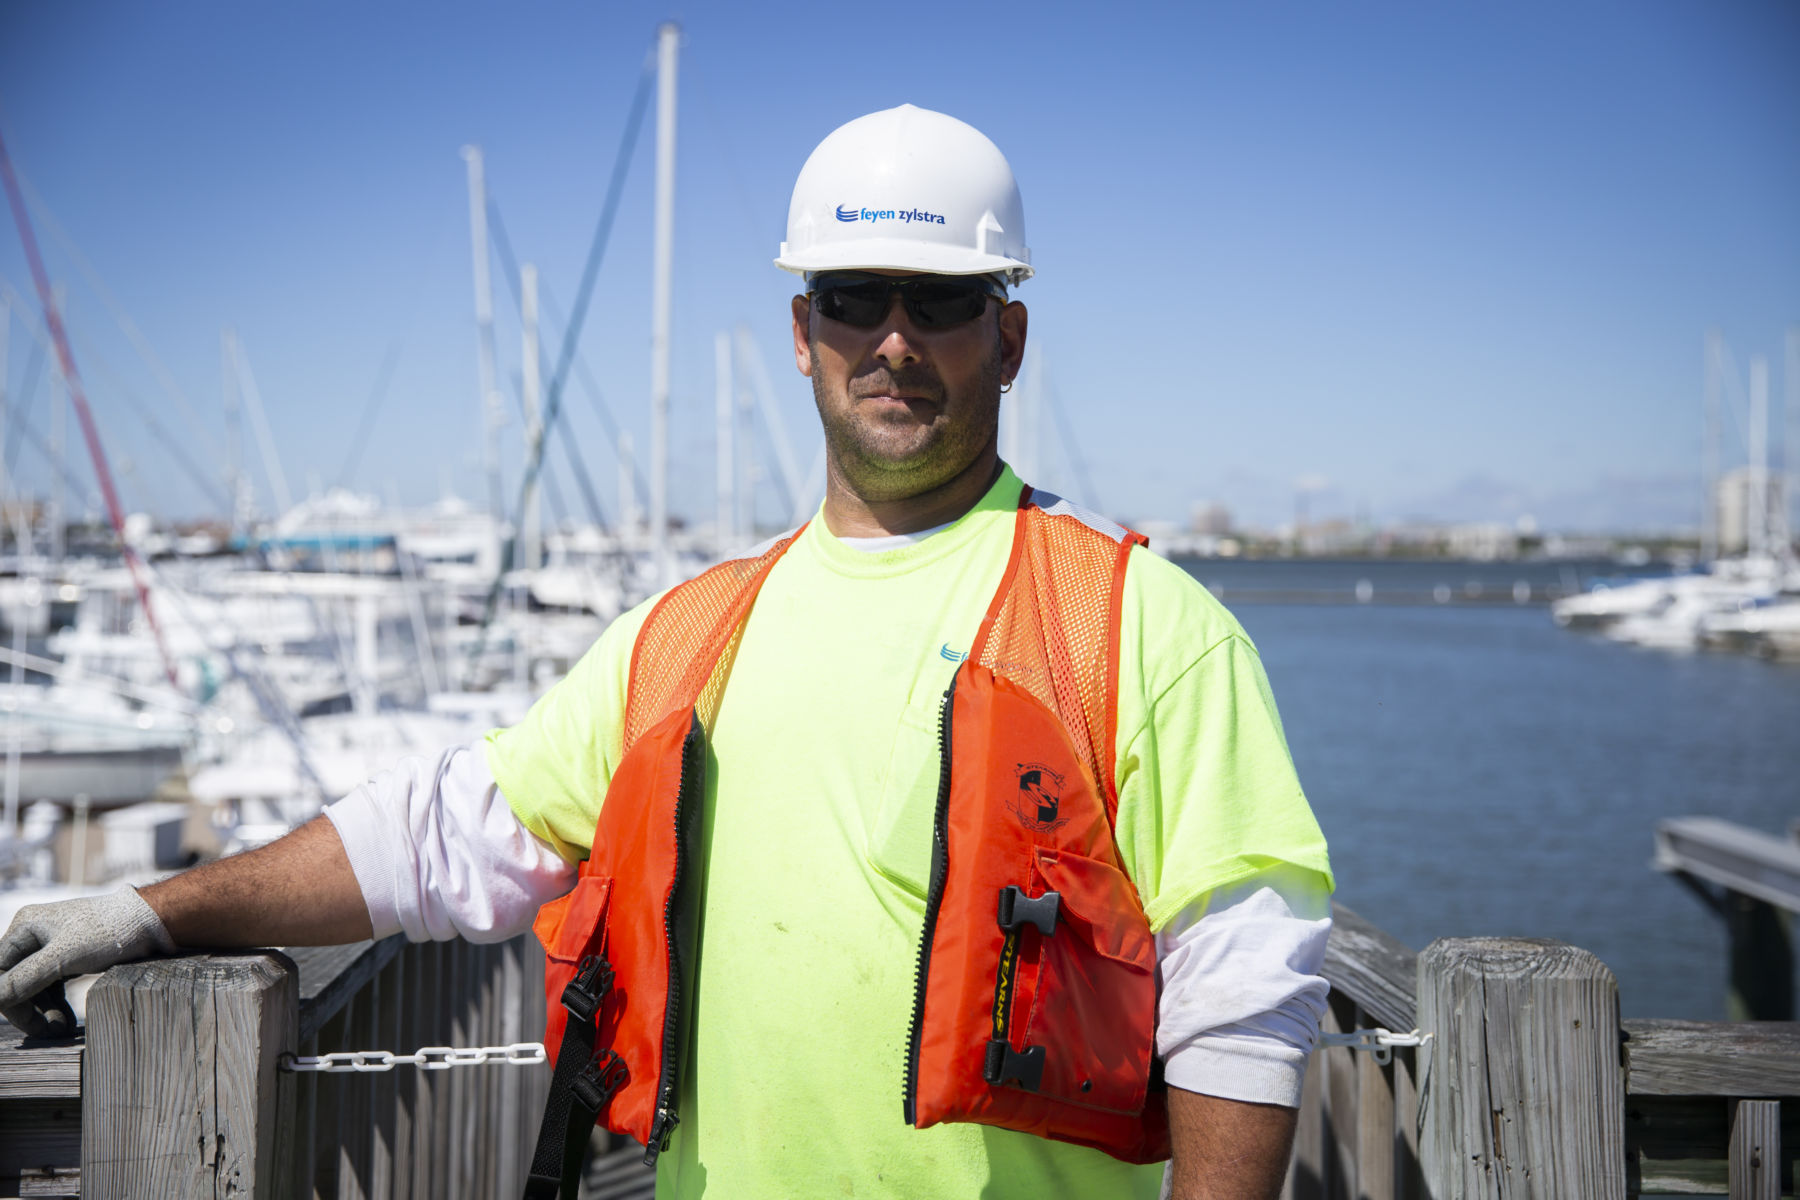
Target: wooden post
[
  {"x": 180, "y": 1090},
  {"x": 1755, "y": 1164},
  {"x": 1522, "y": 1088}
]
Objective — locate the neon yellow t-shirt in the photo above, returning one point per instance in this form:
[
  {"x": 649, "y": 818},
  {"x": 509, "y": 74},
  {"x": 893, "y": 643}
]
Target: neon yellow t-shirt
[{"x": 816, "y": 839}]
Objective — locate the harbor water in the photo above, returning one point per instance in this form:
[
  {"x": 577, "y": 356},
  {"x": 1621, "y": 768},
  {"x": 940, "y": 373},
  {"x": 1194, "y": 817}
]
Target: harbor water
[{"x": 1480, "y": 771}]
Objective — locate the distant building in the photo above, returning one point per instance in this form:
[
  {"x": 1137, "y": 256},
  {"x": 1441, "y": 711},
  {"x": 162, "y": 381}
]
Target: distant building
[
  {"x": 1733, "y": 506},
  {"x": 1484, "y": 541},
  {"x": 1210, "y": 518}
]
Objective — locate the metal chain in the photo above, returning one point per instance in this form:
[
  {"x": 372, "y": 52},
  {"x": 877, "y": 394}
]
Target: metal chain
[
  {"x": 1379, "y": 1042},
  {"x": 426, "y": 1058}
]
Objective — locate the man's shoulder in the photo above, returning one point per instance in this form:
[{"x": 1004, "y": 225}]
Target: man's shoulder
[{"x": 1171, "y": 612}]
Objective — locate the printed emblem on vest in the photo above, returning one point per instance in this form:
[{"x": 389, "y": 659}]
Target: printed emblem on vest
[{"x": 1038, "y": 801}]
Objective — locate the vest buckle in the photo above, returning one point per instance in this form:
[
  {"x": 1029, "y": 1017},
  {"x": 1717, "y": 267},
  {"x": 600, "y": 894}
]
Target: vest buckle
[
  {"x": 593, "y": 979},
  {"x": 1017, "y": 909},
  {"x": 1024, "y": 1068},
  {"x": 604, "y": 1074}
]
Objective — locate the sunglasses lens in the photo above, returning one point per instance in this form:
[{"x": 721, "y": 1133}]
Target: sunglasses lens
[
  {"x": 936, "y": 305},
  {"x": 932, "y": 304},
  {"x": 860, "y": 304}
]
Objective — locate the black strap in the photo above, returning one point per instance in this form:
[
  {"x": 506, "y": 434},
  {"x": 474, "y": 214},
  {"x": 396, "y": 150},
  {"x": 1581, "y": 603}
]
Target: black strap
[{"x": 585, "y": 1079}]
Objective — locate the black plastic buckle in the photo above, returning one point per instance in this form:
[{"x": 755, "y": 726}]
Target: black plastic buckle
[
  {"x": 593, "y": 979},
  {"x": 1006, "y": 1065},
  {"x": 604, "y": 1075},
  {"x": 1016, "y": 909}
]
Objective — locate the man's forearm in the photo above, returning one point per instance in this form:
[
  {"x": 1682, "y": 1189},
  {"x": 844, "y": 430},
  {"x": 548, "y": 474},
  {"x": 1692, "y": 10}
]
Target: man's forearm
[
  {"x": 297, "y": 891},
  {"x": 1228, "y": 1149}
]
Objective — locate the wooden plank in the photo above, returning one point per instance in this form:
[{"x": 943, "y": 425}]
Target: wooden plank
[
  {"x": 1306, "y": 1175},
  {"x": 40, "y": 1137},
  {"x": 1340, "y": 1102},
  {"x": 34, "y": 1069},
  {"x": 445, "y": 1177},
  {"x": 488, "y": 1078},
  {"x": 1712, "y": 1058},
  {"x": 1755, "y": 1171},
  {"x": 328, "y": 1121},
  {"x": 331, "y": 975},
  {"x": 511, "y": 1156},
  {"x": 1374, "y": 969},
  {"x": 406, "y": 1087},
  {"x": 181, "y": 1075},
  {"x": 1525, "y": 1094},
  {"x": 536, "y": 1088},
  {"x": 1679, "y": 1145},
  {"x": 1375, "y": 1148},
  {"x": 1409, "y": 1184},
  {"x": 384, "y": 1088},
  {"x": 1737, "y": 858},
  {"x": 294, "y": 1140},
  {"x": 62, "y": 1183},
  {"x": 355, "y": 1136},
  {"x": 457, "y": 1158}
]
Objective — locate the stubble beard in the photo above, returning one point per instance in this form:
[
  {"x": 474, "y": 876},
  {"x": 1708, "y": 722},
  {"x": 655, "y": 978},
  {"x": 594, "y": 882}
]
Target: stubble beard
[{"x": 894, "y": 456}]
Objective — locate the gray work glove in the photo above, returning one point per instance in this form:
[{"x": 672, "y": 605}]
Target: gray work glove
[{"x": 47, "y": 943}]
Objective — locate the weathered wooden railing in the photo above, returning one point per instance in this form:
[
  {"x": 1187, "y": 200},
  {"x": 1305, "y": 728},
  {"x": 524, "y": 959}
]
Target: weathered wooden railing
[
  {"x": 1530, "y": 1085},
  {"x": 178, "y": 1089}
]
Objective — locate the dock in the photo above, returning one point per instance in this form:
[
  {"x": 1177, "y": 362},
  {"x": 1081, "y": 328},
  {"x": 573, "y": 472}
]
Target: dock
[{"x": 1476, "y": 1067}]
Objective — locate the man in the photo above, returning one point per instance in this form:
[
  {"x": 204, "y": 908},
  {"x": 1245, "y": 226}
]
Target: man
[{"x": 829, "y": 815}]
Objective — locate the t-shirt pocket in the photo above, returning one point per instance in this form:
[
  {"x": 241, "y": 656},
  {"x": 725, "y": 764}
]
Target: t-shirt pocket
[{"x": 899, "y": 840}]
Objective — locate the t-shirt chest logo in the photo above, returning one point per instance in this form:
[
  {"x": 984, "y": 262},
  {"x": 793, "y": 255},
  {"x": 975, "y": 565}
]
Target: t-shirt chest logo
[{"x": 1037, "y": 801}]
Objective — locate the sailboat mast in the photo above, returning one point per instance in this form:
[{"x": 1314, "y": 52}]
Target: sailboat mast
[
  {"x": 1757, "y": 526},
  {"x": 667, "y": 45},
  {"x": 1709, "y": 452},
  {"x": 493, "y": 414},
  {"x": 532, "y": 533},
  {"x": 725, "y": 413}
]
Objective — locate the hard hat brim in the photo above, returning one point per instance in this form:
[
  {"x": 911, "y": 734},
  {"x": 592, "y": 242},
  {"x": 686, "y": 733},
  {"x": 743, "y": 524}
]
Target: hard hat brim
[{"x": 895, "y": 254}]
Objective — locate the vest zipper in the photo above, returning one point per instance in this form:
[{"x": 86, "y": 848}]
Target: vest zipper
[
  {"x": 934, "y": 898},
  {"x": 693, "y": 766}
]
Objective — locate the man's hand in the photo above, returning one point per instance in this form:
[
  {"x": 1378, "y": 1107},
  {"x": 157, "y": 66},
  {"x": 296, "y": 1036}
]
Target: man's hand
[
  {"x": 47, "y": 943},
  {"x": 296, "y": 891},
  {"x": 1228, "y": 1149}
]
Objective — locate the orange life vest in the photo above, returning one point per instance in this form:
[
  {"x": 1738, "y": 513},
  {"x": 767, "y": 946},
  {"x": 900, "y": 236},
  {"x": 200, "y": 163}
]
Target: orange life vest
[{"x": 1035, "y": 1000}]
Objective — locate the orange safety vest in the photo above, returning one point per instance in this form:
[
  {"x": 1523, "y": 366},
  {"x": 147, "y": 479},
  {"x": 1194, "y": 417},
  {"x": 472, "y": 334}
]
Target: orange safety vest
[{"x": 1035, "y": 1000}]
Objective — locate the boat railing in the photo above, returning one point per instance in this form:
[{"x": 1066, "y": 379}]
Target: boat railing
[{"x": 1477, "y": 1067}]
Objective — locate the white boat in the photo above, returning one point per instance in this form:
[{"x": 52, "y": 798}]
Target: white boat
[{"x": 1771, "y": 630}]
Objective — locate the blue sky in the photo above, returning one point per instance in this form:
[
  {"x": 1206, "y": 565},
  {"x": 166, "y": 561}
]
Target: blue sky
[{"x": 1453, "y": 260}]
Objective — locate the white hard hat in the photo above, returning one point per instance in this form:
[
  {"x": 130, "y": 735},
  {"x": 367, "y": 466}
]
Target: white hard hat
[{"x": 907, "y": 189}]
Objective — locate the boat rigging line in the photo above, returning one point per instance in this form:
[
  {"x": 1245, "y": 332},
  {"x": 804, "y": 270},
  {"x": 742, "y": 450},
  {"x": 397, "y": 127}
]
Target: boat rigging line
[
  {"x": 207, "y": 485},
  {"x": 371, "y": 406},
  {"x": 164, "y": 377},
  {"x": 78, "y": 397},
  {"x": 547, "y": 298},
  {"x": 571, "y": 449},
  {"x": 634, "y": 122}
]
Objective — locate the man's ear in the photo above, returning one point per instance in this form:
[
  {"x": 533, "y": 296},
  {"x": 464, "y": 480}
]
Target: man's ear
[
  {"x": 802, "y": 309},
  {"x": 1013, "y": 323}
]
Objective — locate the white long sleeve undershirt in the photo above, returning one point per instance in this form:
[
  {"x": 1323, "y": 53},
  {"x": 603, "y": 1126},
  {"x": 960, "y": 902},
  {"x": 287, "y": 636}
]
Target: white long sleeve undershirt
[{"x": 439, "y": 854}]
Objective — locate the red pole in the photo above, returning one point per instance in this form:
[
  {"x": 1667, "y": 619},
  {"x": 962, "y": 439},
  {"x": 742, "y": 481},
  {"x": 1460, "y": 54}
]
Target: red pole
[{"x": 78, "y": 395}]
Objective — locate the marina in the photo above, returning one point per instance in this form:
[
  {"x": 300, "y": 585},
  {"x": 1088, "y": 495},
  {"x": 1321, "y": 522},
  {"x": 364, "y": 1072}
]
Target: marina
[{"x": 1559, "y": 779}]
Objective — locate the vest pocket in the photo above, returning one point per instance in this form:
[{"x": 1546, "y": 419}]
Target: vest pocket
[
  {"x": 1091, "y": 1003},
  {"x": 573, "y": 926},
  {"x": 899, "y": 838}
]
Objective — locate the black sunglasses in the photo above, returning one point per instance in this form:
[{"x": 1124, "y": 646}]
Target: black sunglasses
[{"x": 932, "y": 301}]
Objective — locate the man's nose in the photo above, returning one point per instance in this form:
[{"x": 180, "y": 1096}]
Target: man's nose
[{"x": 897, "y": 346}]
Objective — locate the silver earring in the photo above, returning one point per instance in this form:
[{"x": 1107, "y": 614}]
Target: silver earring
[{"x": 1006, "y": 387}]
